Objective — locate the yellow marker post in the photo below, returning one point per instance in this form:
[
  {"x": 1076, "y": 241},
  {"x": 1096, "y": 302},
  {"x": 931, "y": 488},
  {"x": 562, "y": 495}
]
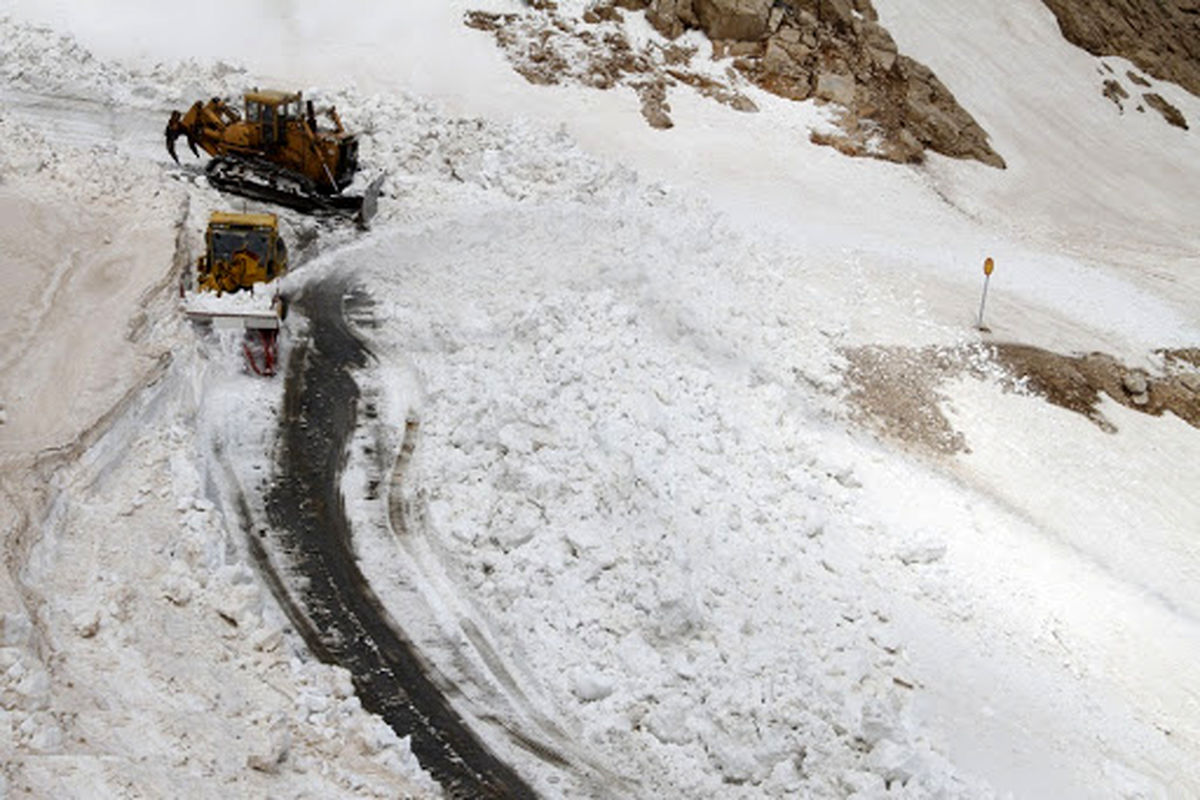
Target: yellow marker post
[{"x": 988, "y": 266}]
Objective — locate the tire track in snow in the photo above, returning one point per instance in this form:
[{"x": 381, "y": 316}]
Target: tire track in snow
[{"x": 337, "y": 613}]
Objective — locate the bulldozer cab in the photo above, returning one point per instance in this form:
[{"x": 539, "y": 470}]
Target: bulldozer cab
[
  {"x": 241, "y": 250},
  {"x": 271, "y": 111}
]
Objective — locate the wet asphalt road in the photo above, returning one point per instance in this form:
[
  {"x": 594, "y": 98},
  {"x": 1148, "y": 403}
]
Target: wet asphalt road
[{"x": 331, "y": 604}]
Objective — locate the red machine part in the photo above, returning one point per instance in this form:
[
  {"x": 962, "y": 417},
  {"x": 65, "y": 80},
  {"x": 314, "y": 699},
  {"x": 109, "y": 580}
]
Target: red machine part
[{"x": 268, "y": 346}]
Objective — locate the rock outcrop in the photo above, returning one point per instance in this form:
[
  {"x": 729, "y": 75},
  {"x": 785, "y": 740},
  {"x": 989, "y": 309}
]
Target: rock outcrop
[
  {"x": 1160, "y": 36},
  {"x": 1170, "y": 113},
  {"x": 835, "y": 51},
  {"x": 1114, "y": 91}
]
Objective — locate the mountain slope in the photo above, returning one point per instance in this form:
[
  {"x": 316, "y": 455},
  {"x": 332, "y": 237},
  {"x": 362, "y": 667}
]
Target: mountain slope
[{"x": 643, "y": 512}]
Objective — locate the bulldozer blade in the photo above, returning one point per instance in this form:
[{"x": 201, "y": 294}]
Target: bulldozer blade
[{"x": 370, "y": 203}]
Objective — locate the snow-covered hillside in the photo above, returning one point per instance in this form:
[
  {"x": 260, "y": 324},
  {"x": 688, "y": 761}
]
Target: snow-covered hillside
[{"x": 634, "y": 511}]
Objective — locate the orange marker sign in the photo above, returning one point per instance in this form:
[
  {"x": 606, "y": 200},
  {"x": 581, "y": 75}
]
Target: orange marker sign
[{"x": 988, "y": 266}]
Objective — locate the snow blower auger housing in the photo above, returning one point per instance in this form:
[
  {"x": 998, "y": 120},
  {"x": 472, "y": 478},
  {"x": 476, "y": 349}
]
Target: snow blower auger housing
[{"x": 275, "y": 150}]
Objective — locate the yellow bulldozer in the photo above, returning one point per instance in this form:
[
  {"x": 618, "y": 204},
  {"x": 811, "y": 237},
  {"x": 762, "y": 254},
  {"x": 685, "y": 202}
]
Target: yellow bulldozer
[{"x": 275, "y": 149}]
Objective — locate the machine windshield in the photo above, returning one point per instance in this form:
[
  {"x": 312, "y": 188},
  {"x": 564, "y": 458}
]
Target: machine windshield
[{"x": 227, "y": 241}]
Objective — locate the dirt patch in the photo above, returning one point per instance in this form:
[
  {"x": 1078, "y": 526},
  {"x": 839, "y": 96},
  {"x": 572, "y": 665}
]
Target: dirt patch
[
  {"x": 896, "y": 391},
  {"x": 1182, "y": 358}
]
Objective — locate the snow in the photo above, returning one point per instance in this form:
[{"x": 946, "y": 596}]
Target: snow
[
  {"x": 257, "y": 300},
  {"x": 624, "y": 511}
]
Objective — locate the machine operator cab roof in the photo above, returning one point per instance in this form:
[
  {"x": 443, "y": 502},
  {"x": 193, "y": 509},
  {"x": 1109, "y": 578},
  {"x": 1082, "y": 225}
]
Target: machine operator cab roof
[
  {"x": 232, "y": 218},
  {"x": 272, "y": 97}
]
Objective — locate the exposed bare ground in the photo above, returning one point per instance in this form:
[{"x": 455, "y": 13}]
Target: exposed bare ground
[{"x": 896, "y": 390}]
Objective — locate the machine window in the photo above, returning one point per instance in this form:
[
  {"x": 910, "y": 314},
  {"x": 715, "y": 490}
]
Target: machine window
[{"x": 227, "y": 242}]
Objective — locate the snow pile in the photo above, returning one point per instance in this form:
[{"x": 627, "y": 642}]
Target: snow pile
[
  {"x": 258, "y": 300},
  {"x": 434, "y": 162},
  {"x": 40, "y": 60},
  {"x": 92, "y": 175},
  {"x": 620, "y": 461}
]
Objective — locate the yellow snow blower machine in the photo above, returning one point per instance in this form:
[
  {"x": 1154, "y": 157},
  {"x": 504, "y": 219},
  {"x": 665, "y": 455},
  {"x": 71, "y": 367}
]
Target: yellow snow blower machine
[
  {"x": 240, "y": 251},
  {"x": 244, "y": 255}
]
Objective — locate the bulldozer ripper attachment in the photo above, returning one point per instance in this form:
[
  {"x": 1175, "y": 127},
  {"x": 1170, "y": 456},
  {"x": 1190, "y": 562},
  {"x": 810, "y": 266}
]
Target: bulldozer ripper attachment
[
  {"x": 173, "y": 132},
  {"x": 183, "y": 125}
]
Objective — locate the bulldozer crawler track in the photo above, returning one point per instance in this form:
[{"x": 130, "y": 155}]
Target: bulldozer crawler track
[{"x": 262, "y": 180}]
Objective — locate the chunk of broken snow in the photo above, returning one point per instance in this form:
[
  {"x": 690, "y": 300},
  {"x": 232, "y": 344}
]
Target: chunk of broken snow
[
  {"x": 926, "y": 552},
  {"x": 279, "y": 745},
  {"x": 879, "y": 721},
  {"x": 177, "y": 587},
  {"x": 590, "y": 687},
  {"x": 857, "y": 783},
  {"x": 240, "y": 605},
  {"x": 893, "y": 762},
  {"x": 47, "y": 738},
  {"x": 735, "y": 762},
  {"x": 86, "y": 623},
  {"x": 1135, "y": 383},
  {"x": 34, "y": 685},
  {"x": 669, "y": 723},
  {"x": 267, "y": 638},
  {"x": 847, "y": 478},
  {"x": 314, "y": 702}
]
